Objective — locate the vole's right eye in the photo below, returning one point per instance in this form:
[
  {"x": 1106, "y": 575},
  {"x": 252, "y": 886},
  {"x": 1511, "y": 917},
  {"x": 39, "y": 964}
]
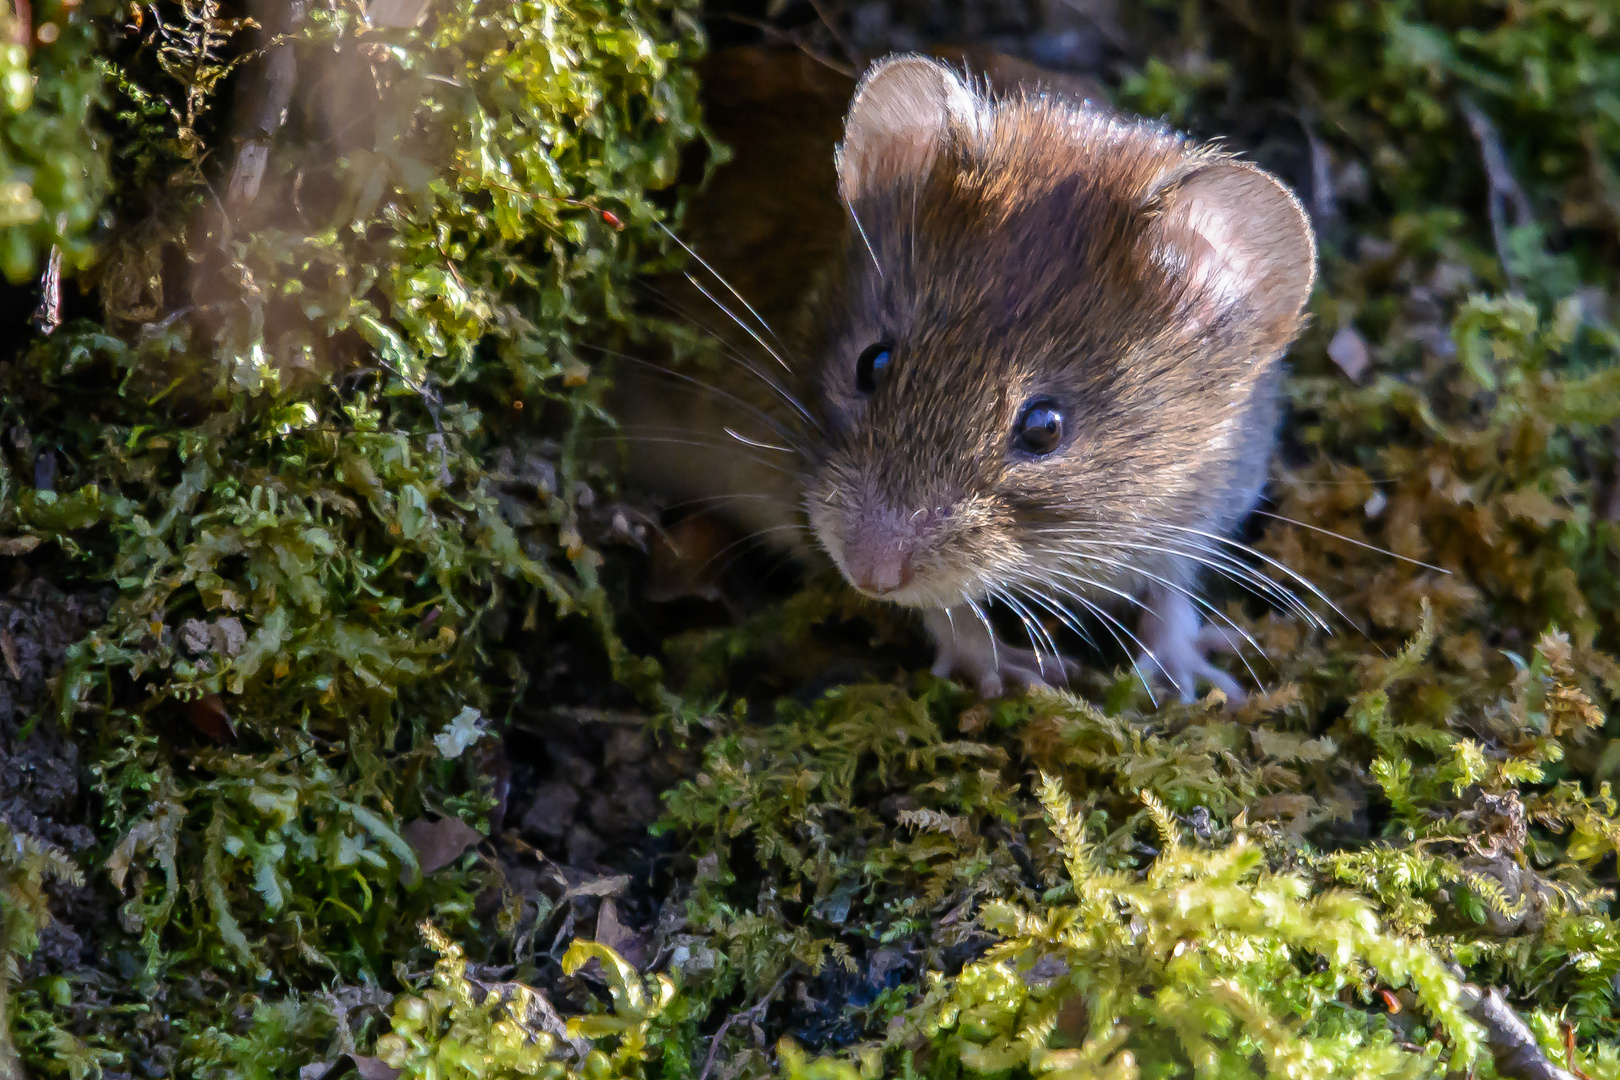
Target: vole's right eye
[{"x": 869, "y": 368}]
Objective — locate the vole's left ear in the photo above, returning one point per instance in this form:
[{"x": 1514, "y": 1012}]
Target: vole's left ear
[
  {"x": 903, "y": 115},
  {"x": 1236, "y": 238}
]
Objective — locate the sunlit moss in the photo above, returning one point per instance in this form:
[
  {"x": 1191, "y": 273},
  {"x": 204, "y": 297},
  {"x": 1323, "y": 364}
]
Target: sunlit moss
[{"x": 281, "y": 457}]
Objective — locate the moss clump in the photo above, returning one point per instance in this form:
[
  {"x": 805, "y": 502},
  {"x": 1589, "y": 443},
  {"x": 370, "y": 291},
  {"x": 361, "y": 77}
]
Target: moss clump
[
  {"x": 278, "y": 440},
  {"x": 462, "y": 1029},
  {"x": 318, "y": 420},
  {"x": 53, "y": 167},
  {"x": 1207, "y": 959}
]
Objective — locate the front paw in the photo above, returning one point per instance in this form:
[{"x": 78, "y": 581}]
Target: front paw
[
  {"x": 965, "y": 647},
  {"x": 1176, "y": 648}
]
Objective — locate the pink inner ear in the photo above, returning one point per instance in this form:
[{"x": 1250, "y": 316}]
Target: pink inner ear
[
  {"x": 1237, "y": 237},
  {"x": 1218, "y": 264},
  {"x": 899, "y": 121}
]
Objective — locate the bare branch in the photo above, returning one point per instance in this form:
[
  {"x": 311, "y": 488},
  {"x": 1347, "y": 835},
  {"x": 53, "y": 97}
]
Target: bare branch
[
  {"x": 1512, "y": 1044},
  {"x": 1505, "y": 192}
]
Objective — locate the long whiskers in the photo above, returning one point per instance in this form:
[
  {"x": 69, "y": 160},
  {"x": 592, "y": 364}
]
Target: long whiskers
[
  {"x": 776, "y": 426},
  {"x": 753, "y": 539},
  {"x": 1351, "y": 540},
  {"x": 1269, "y": 561},
  {"x": 1114, "y": 628},
  {"x": 718, "y": 277},
  {"x": 1190, "y": 595},
  {"x": 746, "y": 441},
  {"x": 711, "y": 500},
  {"x": 984, "y": 620},
  {"x": 1032, "y": 626},
  {"x": 733, "y": 317},
  {"x": 653, "y": 435},
  {"x": 732, "y": 353},
  {"x": 1228, "y": 567}
]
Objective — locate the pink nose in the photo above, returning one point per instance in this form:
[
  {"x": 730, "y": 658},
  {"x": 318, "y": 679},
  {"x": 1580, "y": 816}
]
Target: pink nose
[{"x": 881, "y": 569}]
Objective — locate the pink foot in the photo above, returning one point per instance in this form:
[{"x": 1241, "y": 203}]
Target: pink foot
[
  {"x": 1176, "y": 647},
  {"x": 965, "y": 646}
]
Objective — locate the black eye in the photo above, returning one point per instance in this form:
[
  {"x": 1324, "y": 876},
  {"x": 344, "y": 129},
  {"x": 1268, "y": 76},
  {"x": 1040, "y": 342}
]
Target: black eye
[
  {"x": 869, "y": 368},
  {"x": 1040, "y": 427}
]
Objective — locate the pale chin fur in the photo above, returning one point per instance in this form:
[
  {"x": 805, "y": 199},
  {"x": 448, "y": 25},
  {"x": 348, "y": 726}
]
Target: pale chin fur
[{"x": 924, "y": 595}]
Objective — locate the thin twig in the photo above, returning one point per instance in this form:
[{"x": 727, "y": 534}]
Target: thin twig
[
  {"x": 751, "y": 1014},
  {"x": 1512, "y": 1044},
  {"x": 777, "y": 32},
  {"x": 852, "y": 54},
  {"x": 1505, "y": 191}
]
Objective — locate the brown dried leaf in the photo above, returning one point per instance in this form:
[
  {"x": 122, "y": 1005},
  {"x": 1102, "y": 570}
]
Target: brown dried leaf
[
  {"x": 368, "y": 1068},
  {"x": 439, "y": 843},
  {"x": 209, "y": 716}
]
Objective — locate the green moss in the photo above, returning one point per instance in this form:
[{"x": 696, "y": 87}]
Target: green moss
[
  {"x": 459, "y": 1029},
  {"x": 280, "y": 455},
  {"x": 280, "y": 444},
  {"x": 53, "y": 167}
]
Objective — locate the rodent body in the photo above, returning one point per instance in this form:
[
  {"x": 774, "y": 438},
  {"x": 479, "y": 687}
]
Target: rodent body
[{"x": 1023, "y": 349}]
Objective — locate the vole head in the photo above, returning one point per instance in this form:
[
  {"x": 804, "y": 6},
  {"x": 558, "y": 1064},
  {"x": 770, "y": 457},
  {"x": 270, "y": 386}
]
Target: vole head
[{"x": 1054, "y": 340}]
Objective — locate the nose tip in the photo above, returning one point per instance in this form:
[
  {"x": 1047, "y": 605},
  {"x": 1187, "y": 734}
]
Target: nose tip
[
  {"x": 882, "y": 572},
  {"x": 884, "y": 549}
]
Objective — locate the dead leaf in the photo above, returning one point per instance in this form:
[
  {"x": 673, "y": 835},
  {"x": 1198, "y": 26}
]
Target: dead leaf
[
  {"x": 369, "y": 1068},
  {"x": 1349, "y": 351},
  {"x": 620, "y": 938},
  {"x": 8, "y": 649},
  {"x": 439, "y": 843},
  {"x": 123, "y": 854},
  {"x": 1528, "y": 504},
  {"x": 208, "y": 715},
  {"x": 602, "y": 886},
  {"x": 18, "y": 545}
]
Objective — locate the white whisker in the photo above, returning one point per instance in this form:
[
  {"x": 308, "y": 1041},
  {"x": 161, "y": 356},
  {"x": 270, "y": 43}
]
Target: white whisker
[
  {"x": 749, "y": 407},
  {"x": 717, "y": 276},
  {"x": 735, "y": 354},
  {"x": 750, "y": 442},
  {"x": 1350, "y": 540},
  {"x": 1269, "y": 561},
  {"x": 750, "y": 331},
  {"x": 754, "y": 538},
  {"x": 862, "y": 230},
  {"x": 1251, "y": 579},
  {"x": 1197, "y": 601},
  {"x": 1234, "y": 570},
  {"x": 1114, "y": 628},
  {"x": 1032, "y": 626},
  {"x": 995, "y": 658}
]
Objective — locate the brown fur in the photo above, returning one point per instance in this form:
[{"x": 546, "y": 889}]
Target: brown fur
[{"x": 1021, "y": 247}]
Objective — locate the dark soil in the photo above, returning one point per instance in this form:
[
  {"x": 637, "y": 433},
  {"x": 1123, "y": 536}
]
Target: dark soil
[{"x": 43, "y": 791}]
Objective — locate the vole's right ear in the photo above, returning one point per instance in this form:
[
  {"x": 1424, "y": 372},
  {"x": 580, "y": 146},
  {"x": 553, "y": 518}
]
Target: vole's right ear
[{"x": 902, "y": 117}]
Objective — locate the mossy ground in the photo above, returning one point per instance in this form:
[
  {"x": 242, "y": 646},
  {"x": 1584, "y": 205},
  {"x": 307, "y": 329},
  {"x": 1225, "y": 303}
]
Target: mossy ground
[{"x": 333, "y": 717}]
